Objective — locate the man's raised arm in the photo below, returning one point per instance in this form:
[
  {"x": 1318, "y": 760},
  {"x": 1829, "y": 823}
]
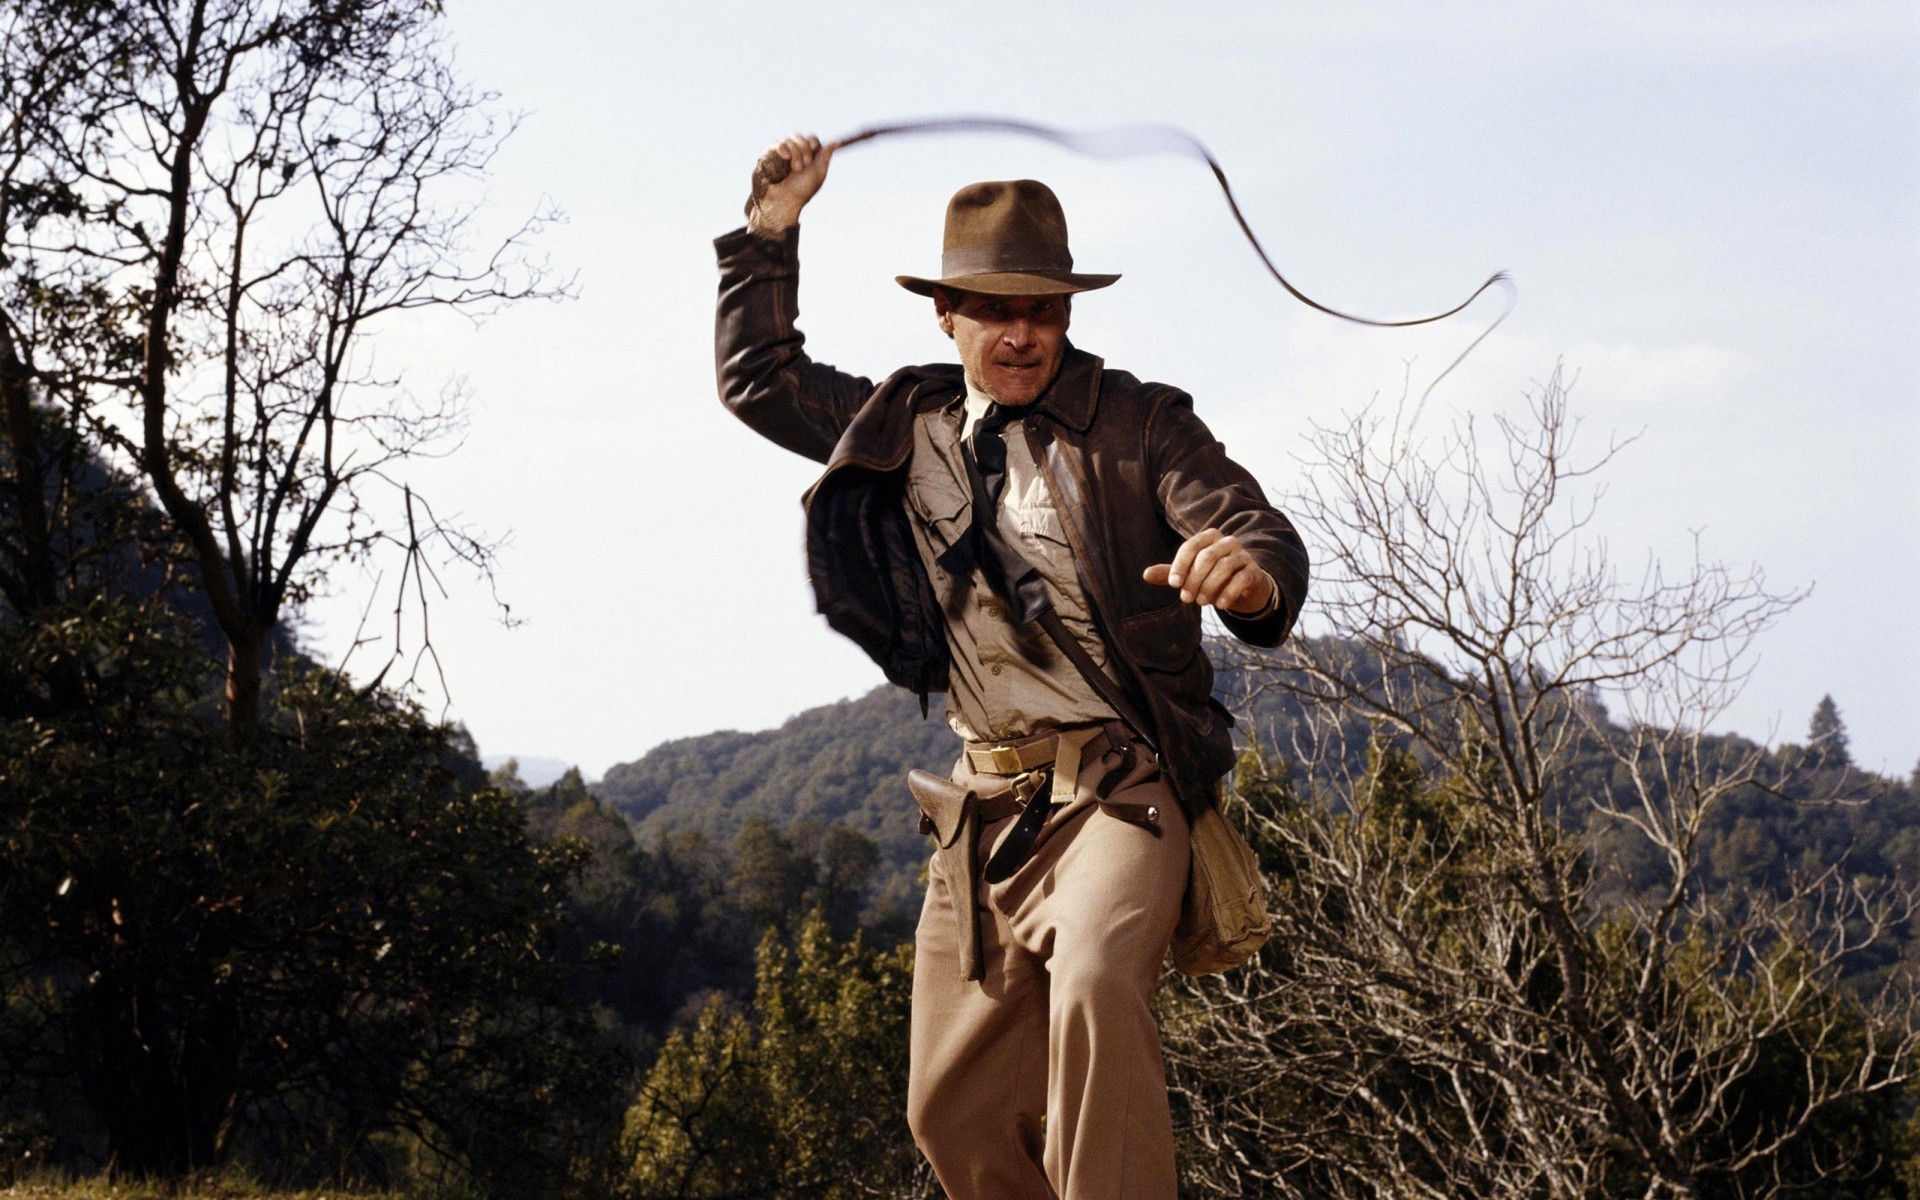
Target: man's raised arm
[{"x": 764, "y": 374}]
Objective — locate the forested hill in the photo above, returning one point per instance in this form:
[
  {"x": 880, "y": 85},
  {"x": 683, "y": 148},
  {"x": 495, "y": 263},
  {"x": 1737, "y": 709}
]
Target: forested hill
[
  {"x": 846, "y": 764},
  {"x": 843, "y": 763}
]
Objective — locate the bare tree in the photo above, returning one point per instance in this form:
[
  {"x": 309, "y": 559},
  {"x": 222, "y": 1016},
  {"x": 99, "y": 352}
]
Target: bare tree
[
  {"x": 235, "y": 197},
  {"x": 1448, "y": 1007}
]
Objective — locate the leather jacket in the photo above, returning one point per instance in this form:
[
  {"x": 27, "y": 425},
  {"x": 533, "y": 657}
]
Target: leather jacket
[{"x": 1133, "y": 473}]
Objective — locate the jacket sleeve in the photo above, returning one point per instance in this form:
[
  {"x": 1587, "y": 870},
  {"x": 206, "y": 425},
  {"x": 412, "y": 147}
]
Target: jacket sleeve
[
  {"x": 764, "y": 374},
  {"x": 1199, "y": 487}
]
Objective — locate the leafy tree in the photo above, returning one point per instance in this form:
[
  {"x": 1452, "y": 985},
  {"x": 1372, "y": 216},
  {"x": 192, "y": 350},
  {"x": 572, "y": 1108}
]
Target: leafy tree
[
  {"x": 675, "y": 921},
  {"x": 802, "y": 1094},
  {"x": 847, "y": 860},
  {"x": 310, "y": 949},
  {"x": 770, "y": 877}
]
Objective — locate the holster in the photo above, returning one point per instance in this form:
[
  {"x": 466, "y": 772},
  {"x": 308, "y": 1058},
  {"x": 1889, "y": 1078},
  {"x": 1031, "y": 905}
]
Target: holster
[{"x": 950, "y": 812}]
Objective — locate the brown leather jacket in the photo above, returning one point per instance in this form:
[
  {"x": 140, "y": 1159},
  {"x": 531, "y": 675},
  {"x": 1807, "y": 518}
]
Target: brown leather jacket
[{"x": 1132, "y": 469}]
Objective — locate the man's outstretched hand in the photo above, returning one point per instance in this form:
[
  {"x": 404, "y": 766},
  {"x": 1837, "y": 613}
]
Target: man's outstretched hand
[
  {"x": 1213, "y": 568},
  {"x": 784, "y": 179}
]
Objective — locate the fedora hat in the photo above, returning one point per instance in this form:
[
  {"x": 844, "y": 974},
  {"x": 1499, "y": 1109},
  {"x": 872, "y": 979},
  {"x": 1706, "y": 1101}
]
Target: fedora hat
[{"x": 1006, "y": 238}]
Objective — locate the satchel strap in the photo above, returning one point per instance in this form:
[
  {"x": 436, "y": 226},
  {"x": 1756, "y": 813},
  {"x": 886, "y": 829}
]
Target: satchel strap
[{"x": 1099, "y": 680}]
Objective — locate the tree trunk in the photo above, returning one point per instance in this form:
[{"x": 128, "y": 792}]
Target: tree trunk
[
  {"x": 245, "y": 662},
  {"x": 162, "y": 1080}
]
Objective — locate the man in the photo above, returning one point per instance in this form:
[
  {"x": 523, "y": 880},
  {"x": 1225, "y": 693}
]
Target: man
[{"x": 962, "y": 505}]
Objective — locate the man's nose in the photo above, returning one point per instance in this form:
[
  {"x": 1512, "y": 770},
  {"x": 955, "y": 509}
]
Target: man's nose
[{"x": 1019, "y": 333}]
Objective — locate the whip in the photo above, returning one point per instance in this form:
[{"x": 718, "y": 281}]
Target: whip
[{"x": 1128, "y": 142}]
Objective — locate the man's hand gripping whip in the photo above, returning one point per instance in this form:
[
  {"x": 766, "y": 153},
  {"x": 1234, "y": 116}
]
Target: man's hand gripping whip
[{"x": 1129, "y": 142}]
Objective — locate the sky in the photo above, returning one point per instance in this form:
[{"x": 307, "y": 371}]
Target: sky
[{"x": 1711, "y": 212}]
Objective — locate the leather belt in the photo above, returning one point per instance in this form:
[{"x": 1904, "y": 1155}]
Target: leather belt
[
  {"x": 1011, "y": 758},
  {"x": 1014, "y": 800},
  {"x": 1064, "y": 749}
]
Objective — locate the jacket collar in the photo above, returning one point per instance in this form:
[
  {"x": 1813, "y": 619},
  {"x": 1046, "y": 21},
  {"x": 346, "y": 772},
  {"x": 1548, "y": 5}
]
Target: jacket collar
[
  {"x": 1075, "y": 391},
  {"x": 881, "y": 435},
  {"x": 1070, "y": 399}
]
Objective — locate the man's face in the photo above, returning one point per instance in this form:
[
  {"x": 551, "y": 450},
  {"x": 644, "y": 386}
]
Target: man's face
[{"x": 1010, "y": 345}]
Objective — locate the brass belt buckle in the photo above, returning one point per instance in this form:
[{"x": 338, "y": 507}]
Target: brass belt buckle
[{"x": 1005, "y": 759}]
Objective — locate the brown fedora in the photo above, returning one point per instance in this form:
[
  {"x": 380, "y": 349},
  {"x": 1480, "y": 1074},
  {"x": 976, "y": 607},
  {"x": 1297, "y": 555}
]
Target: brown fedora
[{"x": 1006, "y": 238}]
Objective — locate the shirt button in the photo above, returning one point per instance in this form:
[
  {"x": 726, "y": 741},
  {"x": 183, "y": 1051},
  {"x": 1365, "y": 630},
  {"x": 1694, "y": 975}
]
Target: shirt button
[{"x": 995, "y": 668}]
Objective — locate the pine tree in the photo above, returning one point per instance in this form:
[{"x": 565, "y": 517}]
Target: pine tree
[{"x": 1827, "y": 735}]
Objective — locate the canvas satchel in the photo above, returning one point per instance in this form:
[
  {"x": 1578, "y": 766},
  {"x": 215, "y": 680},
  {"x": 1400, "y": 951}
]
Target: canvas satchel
[{"x": 1223, "y": 916}]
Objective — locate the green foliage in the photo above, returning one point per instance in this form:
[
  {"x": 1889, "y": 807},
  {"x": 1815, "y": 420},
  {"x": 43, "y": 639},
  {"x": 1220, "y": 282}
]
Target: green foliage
[
  {"x": 671, "y": 923},
  {"x": 802, "y": 1094},
  {"x": 718, "y": 783},
  {"x": 839, "y": 764},
  {"x": 319, "y": 945},
  {"x": 194, "y": 1189},
  {"x": 1827, "y": 735}
]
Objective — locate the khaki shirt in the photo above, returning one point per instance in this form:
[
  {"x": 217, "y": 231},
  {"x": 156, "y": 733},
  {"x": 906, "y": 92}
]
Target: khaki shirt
[{"x": 1006, "y": 680}]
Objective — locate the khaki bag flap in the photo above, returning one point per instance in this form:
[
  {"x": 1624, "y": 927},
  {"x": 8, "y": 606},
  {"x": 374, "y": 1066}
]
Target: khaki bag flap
[{"x": 1223, "y": 917}]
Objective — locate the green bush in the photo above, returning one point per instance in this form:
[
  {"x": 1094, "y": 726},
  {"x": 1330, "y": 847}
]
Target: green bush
[
  {"x": 803, "y": 1094},
  {"x": 322, "y": 946}
]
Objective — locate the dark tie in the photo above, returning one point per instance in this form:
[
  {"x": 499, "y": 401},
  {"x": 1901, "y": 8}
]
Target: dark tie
[{"x": 1010, "y": 576}]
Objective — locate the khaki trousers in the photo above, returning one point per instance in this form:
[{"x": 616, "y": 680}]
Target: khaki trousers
[{"x": 1044, "y": 1079}]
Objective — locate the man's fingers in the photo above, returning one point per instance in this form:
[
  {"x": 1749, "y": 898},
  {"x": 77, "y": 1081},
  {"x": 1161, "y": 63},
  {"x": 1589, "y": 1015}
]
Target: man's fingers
[
  {"x": 1212, "y": 575},
  {"x": 773, "y": 166},
  {"x": 788, "y": 156},
  {"x": 1213, "y": 566},
  {"x": 1229, "y": 580},
  {"x": 1232, "y": 591},
  {"x": 1183, "y": 558},
  {"x": 1254, "y": 591}
]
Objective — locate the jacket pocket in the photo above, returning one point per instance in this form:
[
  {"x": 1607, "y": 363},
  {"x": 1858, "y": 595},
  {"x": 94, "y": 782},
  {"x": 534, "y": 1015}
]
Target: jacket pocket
[
  {"x": 1164, "y": 643},
  {"x": 1163, "y": 639}
]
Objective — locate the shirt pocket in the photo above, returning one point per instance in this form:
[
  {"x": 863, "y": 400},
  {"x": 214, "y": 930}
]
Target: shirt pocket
[
  {"x": 1034, "y": 518},
  {"x": 940, "y": 506}
]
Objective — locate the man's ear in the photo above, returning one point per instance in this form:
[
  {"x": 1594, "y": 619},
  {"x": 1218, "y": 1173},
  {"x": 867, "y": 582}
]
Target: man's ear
[{"x": 943, "y": 311}]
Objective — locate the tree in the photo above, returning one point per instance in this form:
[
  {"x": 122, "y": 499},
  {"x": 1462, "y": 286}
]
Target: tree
[
  {"x": 310, "y": 949},
  {"x": 1827, "y": 735},
  {"x": 1451, "y": 1008},
  {"x": 206, "y": 208},
  {"x": 804, "y": 1094}
]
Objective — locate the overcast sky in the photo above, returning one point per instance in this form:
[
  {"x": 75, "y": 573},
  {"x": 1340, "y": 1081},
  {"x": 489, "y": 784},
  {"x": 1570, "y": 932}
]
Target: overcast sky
[{"x": 1712, "y": 212}]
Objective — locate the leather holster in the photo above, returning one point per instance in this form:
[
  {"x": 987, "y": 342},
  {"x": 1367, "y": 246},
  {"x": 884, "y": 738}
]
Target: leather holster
[{"x": 951, "y": 813}]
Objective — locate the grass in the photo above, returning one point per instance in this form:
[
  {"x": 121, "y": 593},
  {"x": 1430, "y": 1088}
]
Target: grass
[{"x": 204, "y": 1189}]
